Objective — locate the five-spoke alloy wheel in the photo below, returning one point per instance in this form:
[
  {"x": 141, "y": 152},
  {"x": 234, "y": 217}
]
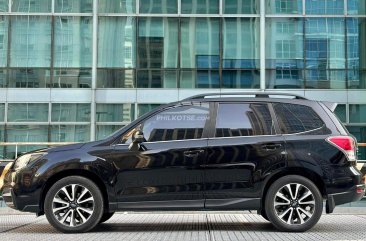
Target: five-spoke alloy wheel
[
  {"x": 74, "y": 204},
  {"x": 293, "y": 203}
]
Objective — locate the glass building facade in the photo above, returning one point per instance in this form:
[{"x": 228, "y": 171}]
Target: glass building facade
[{"x": 77, "y": 70}]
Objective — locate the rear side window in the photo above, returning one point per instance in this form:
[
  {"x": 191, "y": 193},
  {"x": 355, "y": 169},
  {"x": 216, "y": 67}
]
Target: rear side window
[
  {"x": 243, "y": 119},
  {"x": 294, "y": 118}
]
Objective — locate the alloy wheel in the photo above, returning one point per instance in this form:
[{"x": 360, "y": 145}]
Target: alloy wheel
[
  {"x": 294, "y": 204},
  {"x": 73, "y": 205}
]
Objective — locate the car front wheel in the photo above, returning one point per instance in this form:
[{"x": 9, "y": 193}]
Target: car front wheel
[
  {"x": 74, "y": 204},
  {"x": 293, "y": 204}
]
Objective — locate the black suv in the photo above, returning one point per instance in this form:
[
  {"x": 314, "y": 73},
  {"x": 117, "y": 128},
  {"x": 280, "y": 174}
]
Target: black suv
[{"x": 281, "y": 155}]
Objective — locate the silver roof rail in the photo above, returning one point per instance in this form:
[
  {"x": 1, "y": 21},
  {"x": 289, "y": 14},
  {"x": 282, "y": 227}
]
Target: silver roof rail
[{"x": 255, "y": 94}]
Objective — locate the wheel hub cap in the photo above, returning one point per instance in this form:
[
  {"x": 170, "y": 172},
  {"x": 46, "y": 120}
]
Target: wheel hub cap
[
  {"x": 73, "y": 205},
  {"x": 294, "y": 204}
]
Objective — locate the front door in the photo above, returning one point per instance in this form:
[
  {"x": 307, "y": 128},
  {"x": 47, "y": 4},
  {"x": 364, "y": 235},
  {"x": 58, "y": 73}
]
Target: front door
[
  {"x": 243, "y": 148},
  {"x": 167, "y": 171}
]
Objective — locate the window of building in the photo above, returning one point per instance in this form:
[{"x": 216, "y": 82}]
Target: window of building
[
  {"x": 240, "y": 79},
  {"x": 115, "y": 112},
  {"x": 25, "y": 133},
  {"x": 156, "y": 79},
  {"x": 200, "y": 6},
  {"x": 200, "y": 43},
  {"x": 3, "y": 40},
  {"x": 117, "y": 6},
  {"x": 4, "y": 5},
  {"x": 324, "y": 7},
  {"x": 157, "y": 43},
  {"x": 145, "y": 108},
  {"x": 116, "y": 78},
  {"x": 27, "y": 112},
  {"x": 241, "y": 6},
  {"x": 30, "y": 41},
  {"x": 2, "y": 112},
  {"x": 294, "y": 118},
  {"x": 73, "y": 42},
  {"x": 73, "y": 6},
  {"x": 341, "y": 113},
  {"x": 159, "y": 6},
  {"x": 116, "y": 42},
  {"x": 240, "y": 43},
  {"x": 64, "y": 112},
  {"x": 29, "y": 6},
  {"x": 199, "y": 79},
  {"x": 325, "y": 53},
  {"x": 356, "y": 7},
  {"x": 71, "y": 78},
  {"x": 360, "y": 133},
  {"x": 357, "y": 113},
  {"x": 284, "y": 6},
  {"x": 240, "y": 119},
  {"x": 70, "y": 133}
]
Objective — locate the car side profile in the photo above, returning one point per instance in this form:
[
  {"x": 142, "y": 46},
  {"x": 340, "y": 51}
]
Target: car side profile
[{"x": 279, "y": 154}]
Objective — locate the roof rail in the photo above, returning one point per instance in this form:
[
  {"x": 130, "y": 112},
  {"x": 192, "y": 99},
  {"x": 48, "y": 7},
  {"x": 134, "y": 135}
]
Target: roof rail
[{"x": 256, "y": 95}]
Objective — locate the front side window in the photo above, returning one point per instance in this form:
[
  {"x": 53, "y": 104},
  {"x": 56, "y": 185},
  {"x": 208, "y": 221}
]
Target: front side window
[
  {"x": 178, "y": 123},
  {"x": 294, "y": 118},
  {"x": 243, "y": 119}
]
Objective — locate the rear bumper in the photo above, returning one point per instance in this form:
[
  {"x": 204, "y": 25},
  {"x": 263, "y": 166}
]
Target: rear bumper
[{"x": 353, "y": 195}]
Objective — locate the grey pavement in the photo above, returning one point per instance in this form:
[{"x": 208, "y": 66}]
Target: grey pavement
[{"x": 175, "y": 226}]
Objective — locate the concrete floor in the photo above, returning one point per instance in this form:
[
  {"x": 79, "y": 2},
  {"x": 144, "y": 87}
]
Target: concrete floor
[{"x": 184, "y": 226}]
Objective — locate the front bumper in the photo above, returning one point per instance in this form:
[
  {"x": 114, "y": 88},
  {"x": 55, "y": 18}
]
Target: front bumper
[
  {"x": 356, "y": 193},
  {"x": 20, "y": 192},
  {"x": 8, "y": 198}
]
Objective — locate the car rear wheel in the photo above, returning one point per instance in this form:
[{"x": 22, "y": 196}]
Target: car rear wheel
[
  {"x": 106, "y": 217},
  {"x": 293, "y": 204},
  {"x": 74, "y": 204}
]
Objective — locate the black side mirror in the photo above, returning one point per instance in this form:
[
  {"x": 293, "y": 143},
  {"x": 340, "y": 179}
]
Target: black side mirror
[{"x": 138, "y": 137}]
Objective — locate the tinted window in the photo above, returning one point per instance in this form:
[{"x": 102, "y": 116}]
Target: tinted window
[
  {"x": 243, "y": 120},
  {"x": 179, "y": 123},
  {"x": 299, "y": 118}
]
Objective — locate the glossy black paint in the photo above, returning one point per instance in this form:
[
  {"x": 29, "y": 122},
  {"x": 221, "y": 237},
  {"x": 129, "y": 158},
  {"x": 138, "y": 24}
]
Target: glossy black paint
[{"x": 209, "y": 173}]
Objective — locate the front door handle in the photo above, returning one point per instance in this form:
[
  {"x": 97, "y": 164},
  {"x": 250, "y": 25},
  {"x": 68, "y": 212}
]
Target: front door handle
[
  {"x": 193, "y": 153},
  {"x": 271, "y": 147}
]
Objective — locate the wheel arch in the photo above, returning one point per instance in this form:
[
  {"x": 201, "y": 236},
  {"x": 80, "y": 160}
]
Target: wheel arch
[
  {"x": 73, "y": 172},
  {"x": 304, "y": 172}
]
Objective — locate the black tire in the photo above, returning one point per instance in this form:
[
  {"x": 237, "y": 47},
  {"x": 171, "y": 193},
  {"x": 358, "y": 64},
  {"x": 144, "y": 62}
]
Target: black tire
[
  {"x": 106, "y": 217},
  {"x": 291, "y": 221},
  {"x": 95, "y": 206},
  {"x": 264, "y": 215}
]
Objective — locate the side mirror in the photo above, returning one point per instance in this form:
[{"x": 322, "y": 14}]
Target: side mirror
[{"x": 138, "y": 137}]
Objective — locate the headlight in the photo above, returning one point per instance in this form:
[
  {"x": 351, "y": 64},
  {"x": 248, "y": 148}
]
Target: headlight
[{"x": 26, "y": 159}]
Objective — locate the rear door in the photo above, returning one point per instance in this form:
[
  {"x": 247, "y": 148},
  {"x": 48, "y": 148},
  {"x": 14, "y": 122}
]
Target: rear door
[{"x": 242, "y": 150}]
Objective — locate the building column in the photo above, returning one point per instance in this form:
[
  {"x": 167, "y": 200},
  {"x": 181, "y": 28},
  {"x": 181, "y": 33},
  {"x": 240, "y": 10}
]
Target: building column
[
  {"x": 262, "y": 46},
  {"x": 94, "y": 71}
]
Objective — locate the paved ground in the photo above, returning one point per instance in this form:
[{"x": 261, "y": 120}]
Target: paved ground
[{"x": 184, "y": 226}]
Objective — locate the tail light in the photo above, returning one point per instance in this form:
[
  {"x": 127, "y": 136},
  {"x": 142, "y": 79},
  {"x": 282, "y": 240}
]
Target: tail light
[{"x": 346, "y": 144}]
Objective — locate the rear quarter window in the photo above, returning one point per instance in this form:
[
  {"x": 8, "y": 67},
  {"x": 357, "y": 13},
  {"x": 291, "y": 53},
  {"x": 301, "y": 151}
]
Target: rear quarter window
[{"x": 293, "y": 118}]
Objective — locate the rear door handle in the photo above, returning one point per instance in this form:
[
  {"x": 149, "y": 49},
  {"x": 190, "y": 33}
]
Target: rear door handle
[
  {"x": 193, "y": 153},
  {"x": 271, "y": 147}
]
